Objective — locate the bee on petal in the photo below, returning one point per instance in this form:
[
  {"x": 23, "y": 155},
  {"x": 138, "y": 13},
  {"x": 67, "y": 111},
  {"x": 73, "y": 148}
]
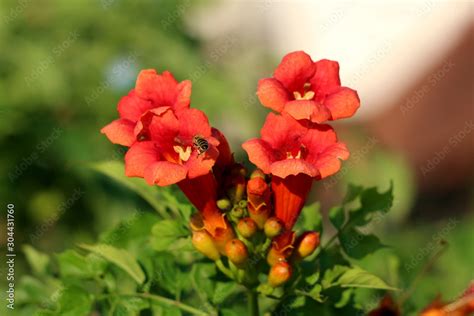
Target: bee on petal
[{"x": 200, "y": 144}]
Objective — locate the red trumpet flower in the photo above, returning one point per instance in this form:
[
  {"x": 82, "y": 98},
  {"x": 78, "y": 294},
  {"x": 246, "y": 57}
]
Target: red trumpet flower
[
  {"x": 308, "y": 90},
  {"x": 151, "y": 91},
  {"x": 295, "y": 154},
  {"x": 169, "y": 156}
]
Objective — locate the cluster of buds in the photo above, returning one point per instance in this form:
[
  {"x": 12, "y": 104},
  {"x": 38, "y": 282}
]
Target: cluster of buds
[{"x": 242, "y": 220}]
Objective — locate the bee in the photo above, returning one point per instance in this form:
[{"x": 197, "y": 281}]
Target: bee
[{"x": 200, "y": 144}]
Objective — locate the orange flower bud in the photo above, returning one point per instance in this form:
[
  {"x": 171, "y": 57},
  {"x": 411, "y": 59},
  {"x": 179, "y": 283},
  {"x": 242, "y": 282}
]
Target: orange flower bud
[
  {"x": 306, "y": 244},
  {"x": 273, "y": 227},
  {"x": 247, "y": 227},
  {"x": 237, "y": 252},
  {"x": 257, "y": 173},
  {"x": 222, "y": 236},
  {"x": 203, "y": 242},
  {"x": 258, "y": 197},
  {"x": 282, "y": 248},
  {"x": 279, "y": 274}
]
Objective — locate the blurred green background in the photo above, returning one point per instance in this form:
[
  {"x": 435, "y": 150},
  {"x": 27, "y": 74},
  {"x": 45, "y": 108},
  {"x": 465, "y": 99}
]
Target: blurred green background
[{"x": 65, "y": 64}]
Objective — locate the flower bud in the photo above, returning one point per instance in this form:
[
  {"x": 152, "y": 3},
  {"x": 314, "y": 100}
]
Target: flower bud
[
  {"x": 224, "y": 204},
  {"x": 258, "y": 198},
  {"x": 247, "y": 227},
  {"x": 279, "y": 274},
  {"x": 203, "y": 242},
  {"x": 237, "y": 212},
  {"x": 273, "y": 227},
  {"x": 306, "y": 244},
  {"x": 196, "y": 222},
  {"x": 236, "y": 183},
  {"x": 222, "y": 236},
  {"x": 257, "y": 173},
  {"x": 282, "y": 248},
  {"x": 237, "y": 252}
]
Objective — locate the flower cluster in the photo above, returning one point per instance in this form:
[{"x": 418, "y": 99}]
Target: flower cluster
[{"x": 241, "y": 218}]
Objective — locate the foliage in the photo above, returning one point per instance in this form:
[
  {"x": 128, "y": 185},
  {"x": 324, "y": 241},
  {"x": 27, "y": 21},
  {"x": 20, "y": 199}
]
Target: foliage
[{"x": 147, "y": 264}]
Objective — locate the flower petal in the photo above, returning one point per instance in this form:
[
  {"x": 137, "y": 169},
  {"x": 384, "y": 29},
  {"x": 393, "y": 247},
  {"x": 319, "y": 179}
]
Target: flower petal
[
  {"x": 324, "y": 152},
  {"x": 199, "y": 165},
  {"x": 161, "y": 89},
  {"x": 307, "y": 109},
  {"x": 326, "y": 78},
  {"x": 120, "y": 132},
  {"x": 183, "y": 99},
  {"x": 162, "y": 127},
  {"x": 164, "y": 173},
  {"x": 284, "y": 168},
  {"x": 193, "y": 122},
  {"x": 343, "y": 103},
  {"x": 280, "y": 131},
  {"x": 139, "y": 157},
  {"x": 260, "y": 154},
  {"x": 132, "y": 107},
  {"x": 329, "y": 162},
  {"x": 272, "y": 94},
  {"x": 294, "y": 70}
]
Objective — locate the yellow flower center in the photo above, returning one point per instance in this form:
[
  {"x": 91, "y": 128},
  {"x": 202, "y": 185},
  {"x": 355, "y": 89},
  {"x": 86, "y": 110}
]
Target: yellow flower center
[
  {"x": 308, "y": 94},
  {"x": 290, "y": 155},
  {"x": 184, "y": 154}
]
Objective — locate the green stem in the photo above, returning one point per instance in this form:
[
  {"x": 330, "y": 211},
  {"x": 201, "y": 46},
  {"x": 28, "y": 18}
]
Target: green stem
[
  {"x": 224, "y": 269},
  {"x": 167, "y": 301},
  {"x": 252, "y": 301}
]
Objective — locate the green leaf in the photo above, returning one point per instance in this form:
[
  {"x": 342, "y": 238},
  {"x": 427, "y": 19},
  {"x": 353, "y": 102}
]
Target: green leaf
[
  {"x": 72, "y": 264},
  {"x": 316, "y": 293},
  {"x": 167, "y": 276},
  {"x": 222, "y": 291},
  {"x": 201, "y": 279},
  {"x": 311, "y": 218},
  {"x": 115, "y": 171},
  {"x": 313, "y": 278},
  {"x": 371, "y": 202},
  {"x": 130, "y": 305},
  {"x": 358, "y": 245},
  {"x": 345, "y": 298},
  {"x": 167, "y": 232},
  {"x": 38, "y": 261},
  {"x": 357, "y": 277},
  {"x": 331, "y": 275},
  {"x": 353, "y": 192},
  {"x": 337, "y": 216},
  {"x": 75, "y": 301},
  {"x": 119, "y": 257}
]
